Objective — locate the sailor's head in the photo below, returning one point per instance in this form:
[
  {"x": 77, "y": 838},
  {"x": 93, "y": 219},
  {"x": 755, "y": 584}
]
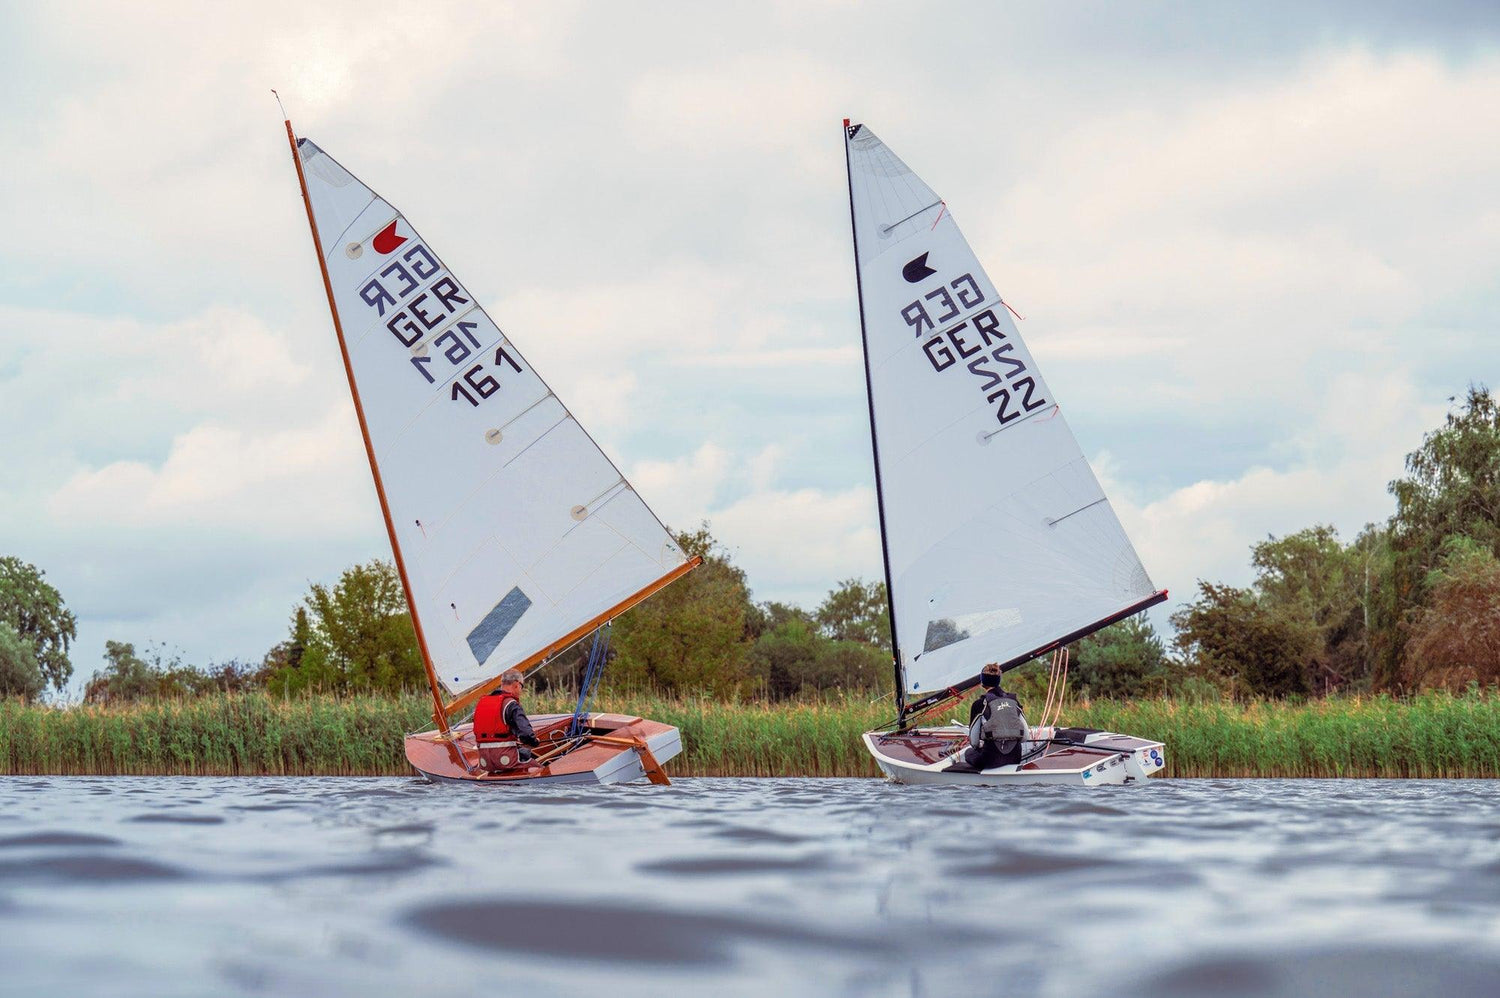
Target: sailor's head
[
  {"x": 511, "y": 681},
  {"x": 989, "y": 676}
]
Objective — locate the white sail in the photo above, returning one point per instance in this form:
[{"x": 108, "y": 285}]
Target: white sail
[
  {"x": 514, "y": 527},
  {"x": 999, "y": 538}
]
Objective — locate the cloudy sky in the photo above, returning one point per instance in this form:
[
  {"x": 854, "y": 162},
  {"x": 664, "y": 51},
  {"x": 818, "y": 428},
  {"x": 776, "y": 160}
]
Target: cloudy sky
[{"x": 1255, "y": 247}]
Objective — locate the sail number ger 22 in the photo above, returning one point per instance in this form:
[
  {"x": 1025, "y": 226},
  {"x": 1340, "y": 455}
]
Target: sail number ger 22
[{"x": 978, "y": 342}]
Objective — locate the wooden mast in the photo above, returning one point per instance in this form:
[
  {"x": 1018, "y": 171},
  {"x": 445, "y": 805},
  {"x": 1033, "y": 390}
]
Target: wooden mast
[{"x": 438, "y": 713}]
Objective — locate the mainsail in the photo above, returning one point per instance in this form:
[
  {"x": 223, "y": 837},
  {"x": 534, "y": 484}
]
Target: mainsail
[
  {"x": 514, "y": 533},
  {"x": 999, "y": 542}
]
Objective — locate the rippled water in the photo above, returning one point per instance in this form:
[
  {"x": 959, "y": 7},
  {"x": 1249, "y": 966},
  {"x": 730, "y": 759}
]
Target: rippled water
[{"x": 150, "y": 886}]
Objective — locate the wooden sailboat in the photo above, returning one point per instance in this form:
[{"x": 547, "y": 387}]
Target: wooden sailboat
[
  {"x": 999, "y": 544},
  {"x": 513, "y": 533}
]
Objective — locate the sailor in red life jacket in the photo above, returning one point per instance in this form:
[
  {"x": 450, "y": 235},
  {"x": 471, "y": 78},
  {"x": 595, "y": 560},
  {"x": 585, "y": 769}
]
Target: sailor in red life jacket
[{"x": 501, "y": 726}]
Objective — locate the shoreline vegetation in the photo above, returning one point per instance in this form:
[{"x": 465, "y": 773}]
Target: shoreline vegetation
[{"x": 1434, "y": 734}]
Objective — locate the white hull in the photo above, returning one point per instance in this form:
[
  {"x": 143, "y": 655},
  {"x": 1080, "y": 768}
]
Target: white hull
[{"x": 926, "y": 756}]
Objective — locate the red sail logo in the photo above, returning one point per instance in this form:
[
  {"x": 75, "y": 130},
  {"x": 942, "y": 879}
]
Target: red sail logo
[{"x": 387, "y": 240}]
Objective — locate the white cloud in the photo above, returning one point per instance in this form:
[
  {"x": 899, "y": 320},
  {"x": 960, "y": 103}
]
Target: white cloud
[
  {"x": 1343, "y": 461},
  {"x": 683, "y": 491},
  {"x": 794, "y": 544}
]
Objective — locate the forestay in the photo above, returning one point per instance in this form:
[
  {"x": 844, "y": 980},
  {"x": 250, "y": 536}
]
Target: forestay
[
  {"x": 999, "y": 538},
  {"x": 515, "y": 529}
]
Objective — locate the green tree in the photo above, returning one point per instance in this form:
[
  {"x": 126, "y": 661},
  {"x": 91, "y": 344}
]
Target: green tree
[
  {"x": 857, "y": 610},
  {"x": 1313, "y": 583},
  {"x": 785, "y": 658},
  {"x": 761, "y": 618},
  {"x": 36, "y": 613},
  {"x": 1125, "y": 659},
  {"x": 354, "y": 635},
  {"x": 1232, "y": 633},
  {"x": 793, "y": 659},
  {"x": 1451, "y": 489},
  {"x": 158, "y": 673},
  {"x": 1452, "y": 485},
  {"x": 19, "y": 674},
  {"x": 126, "y": 676},
  {"x": 1455, "y": 638},
  {"x": 693, "y": 634}
]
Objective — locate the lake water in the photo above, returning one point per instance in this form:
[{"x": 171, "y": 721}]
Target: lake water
[{"x": 370, "y": 887}]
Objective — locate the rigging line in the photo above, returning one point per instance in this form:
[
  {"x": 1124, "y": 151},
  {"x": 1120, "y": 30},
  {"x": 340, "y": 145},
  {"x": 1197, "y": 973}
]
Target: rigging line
[
  {"x": 598, "y": 656},
  {"x": 1051, "y": 522},
  {"x": 379, "y": 228},
  {"x": 908, "y": 218},
  {"x": 935, "y": 221},
  {"x": 590, "y": 510},
  {"x": 1024, "y": 419},
  {"x": 604, "y": 492},
  {"x": 345, "y": 231}
]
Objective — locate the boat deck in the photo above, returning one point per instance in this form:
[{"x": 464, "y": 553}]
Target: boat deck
[{"x": 926, "y": 746}]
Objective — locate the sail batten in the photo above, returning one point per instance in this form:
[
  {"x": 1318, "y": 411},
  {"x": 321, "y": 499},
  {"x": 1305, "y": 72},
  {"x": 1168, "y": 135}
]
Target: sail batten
[
  {"x": 510, "y": 525},
  {"x": 998, "y": 537}
]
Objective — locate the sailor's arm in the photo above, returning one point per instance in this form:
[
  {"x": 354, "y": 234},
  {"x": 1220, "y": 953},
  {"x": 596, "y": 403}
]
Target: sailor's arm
[{"x": 517, "y": 721}]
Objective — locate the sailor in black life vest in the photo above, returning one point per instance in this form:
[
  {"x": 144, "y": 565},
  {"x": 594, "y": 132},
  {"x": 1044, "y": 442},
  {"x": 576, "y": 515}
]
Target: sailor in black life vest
[
  {"x": 501, "y": 728},
  {"x": 996, "y": 725}
]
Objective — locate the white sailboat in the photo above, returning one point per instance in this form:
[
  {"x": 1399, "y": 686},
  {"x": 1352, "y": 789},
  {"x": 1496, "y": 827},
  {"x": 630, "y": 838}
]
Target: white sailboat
[
  {"x": 513, "y": 533},
  {"x": 999, "y": 544}
]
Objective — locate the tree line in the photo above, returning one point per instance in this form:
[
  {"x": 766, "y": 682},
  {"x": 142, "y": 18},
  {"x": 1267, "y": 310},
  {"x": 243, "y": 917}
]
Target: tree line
[{"x": 1409, "y": 603}]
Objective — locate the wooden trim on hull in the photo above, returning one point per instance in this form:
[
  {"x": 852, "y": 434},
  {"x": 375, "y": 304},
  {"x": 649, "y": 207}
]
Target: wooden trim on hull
[{"x": 454, "y": 758}]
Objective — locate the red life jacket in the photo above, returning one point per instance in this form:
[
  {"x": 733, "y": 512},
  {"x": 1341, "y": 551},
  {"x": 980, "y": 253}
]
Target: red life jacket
[
  {"x": 489, "y": 718},
  {"x": 498, "y": 747}
]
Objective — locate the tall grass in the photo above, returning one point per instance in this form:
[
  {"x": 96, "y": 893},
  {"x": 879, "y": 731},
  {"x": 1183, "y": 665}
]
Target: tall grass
[
  {"x": 1434, "y": 734},
  {"x": 1431, "y": 735}
]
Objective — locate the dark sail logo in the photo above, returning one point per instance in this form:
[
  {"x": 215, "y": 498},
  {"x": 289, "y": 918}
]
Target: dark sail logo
[{"x": 917, "y": 270}]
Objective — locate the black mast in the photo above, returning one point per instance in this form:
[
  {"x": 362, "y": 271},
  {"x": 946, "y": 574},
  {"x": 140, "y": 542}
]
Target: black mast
[{"x": 864, "y": 342}]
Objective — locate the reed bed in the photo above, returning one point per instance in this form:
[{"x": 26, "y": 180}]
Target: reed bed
[{"x": 1431, "y": 735}]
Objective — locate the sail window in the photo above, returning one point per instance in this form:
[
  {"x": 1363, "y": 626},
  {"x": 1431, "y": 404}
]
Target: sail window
[
  {"x": 486, "y": 637},
  {"x": 942, "y": 633},
  {"x": 946, "y": 631}
]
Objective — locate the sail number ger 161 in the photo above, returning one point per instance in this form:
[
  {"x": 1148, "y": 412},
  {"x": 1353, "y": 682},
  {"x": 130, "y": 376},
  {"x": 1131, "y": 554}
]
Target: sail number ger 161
[{"x": 423, "y": 298}]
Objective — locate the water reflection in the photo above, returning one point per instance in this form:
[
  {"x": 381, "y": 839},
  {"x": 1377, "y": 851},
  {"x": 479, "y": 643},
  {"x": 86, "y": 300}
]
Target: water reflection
[{"x": 290, "y": 886}]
